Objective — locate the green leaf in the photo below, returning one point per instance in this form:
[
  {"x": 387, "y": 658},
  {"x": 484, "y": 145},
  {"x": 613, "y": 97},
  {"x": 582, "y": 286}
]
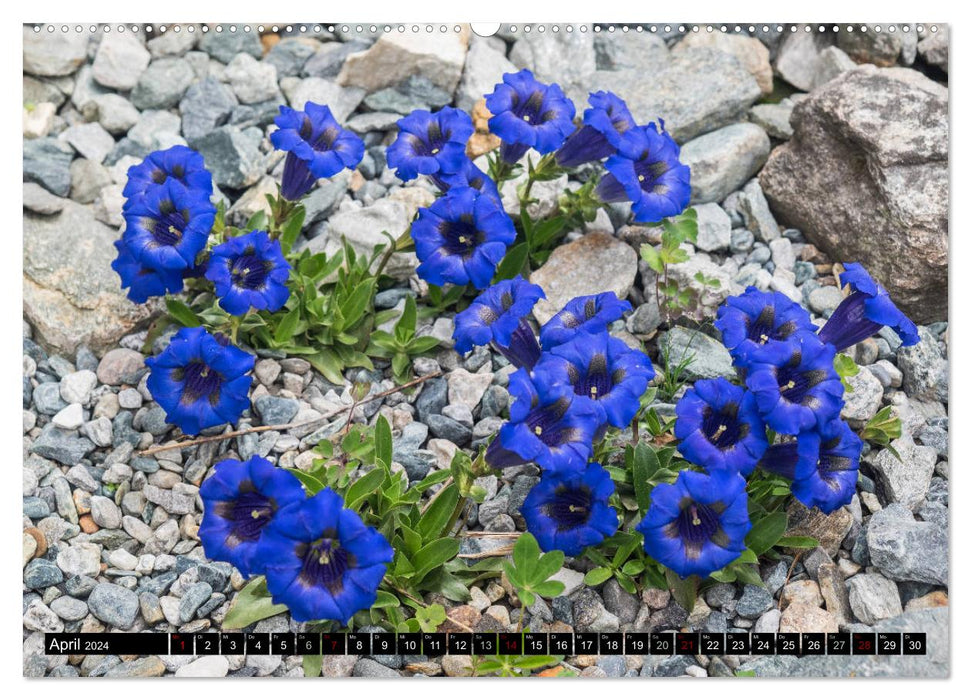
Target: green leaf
[
  {"x": 328, "y": 364},
  {"x": 525, "y": 552},
  {"x": 633, "y": 567},
  {"x": 404, "y": 329},
  {"x": 291, "y": 229},
  {"x": 364, "y": 487},
  {"x": 422, "y": 343},
  {"x": 386, "y": 600},
  {"x": 288, "y": 324},
  {"x": 547, "y": 231},
  {"x": 312, "y": 663},
  {"x": 382, "y": 441},
  {"x": 546, "y": 566},
  {"x": 766, "y": 532},
  {"x": 433, "y": 521},
  {"x": 433, "y": 555},
  {"x": 747, "y": 573},
  {"x": 310, "y": 482},
  {"x": 548, "y": 589},
  {"x": 257, "y": 222},
  {"x": 182, "y": 313},
  {"x": 252, "y": 604},
  {"x": 653, "y": 259},
  {"x": 597, "y": 576},
  {"x": 512, "y": 264},
  {"x": 358, "y": 302},
  {"x": 684, "y": 590}
]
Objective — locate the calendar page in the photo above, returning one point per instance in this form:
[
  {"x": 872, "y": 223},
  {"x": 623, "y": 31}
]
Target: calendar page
[{"x": 460, "y": 350}]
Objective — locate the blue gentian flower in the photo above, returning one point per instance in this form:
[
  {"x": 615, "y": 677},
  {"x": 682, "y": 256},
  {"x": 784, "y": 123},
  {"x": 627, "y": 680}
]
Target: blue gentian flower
[
  {"x": 757, "y": 326},
  {"x": 200, "y": 380},
  {"x": 647, "y": 171},
  {"x": 864, "y": 312},
  {"x": 241, "y": 499},
  {"x": 143, "y": 282},
  {"x": 528, "y": 114},
  {"x": 249, "y": 271},
  {"x": 322, "y": 561},
  {"x": 430, "y": 143},
  {"x": 498, "y": 316},
  {"x": 316, "y": 147},
  {"x": 800, "y": 393},
  {"x": 545, "y": 426},
  {"x": 697, "y": 525},
  {"x": 571, "y": 512},
  {"x": 719, "y": 426},
  {"x": 178, "y": 163},
  {"x": 590, "y": 314},
  {"x": 606, "y": 125},
  {"x": 461, "y": 238},
  {"x": 823, "y": 465},
  {"x": 468, "y": 175},
  {"x": 168, "y": 226},
  {"x": 603, "y": 371}
]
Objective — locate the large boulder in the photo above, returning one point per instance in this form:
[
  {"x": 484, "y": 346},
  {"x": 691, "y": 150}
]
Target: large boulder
[
  {"x": 865, "y": 178},
  {"x": 71, "y": 295}
]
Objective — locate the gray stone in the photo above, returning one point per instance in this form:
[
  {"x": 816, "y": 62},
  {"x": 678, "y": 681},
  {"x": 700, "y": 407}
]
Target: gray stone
[
  {"x": 484, "y": 68},
  {"x": 224, "y": 45},
  {"x": 52, "y": 54},
  {"x": 105, "y": 513},
  {"x": 905, "y": 480},
  {"x": 275, "y": 410},
  {"x": 619, "y": 602},
  {"x": 69, "y": 418},
  {"x": 774, "y": 118},
  {"x": 114, "y": 605},
  {"x": 924, "y": 369},
  {"x": 594, "y": 263},
  {"x": 831, "y": 63},
  {"x": 444, "y": 427},
  {"x": 40, "y": 618},
  {"x": 696, "y": 90},
  {"x": 42, "y": 573},
  {"x": 709, "y": 358},
  {"x": 88, "y": 178},
  {"x": 120, "y": 365},
  {"x": 856, "y": 147},
  {"x": 797, "y": 56},
  {"x": 233, "y": 156},
  {"x": 934, "y": 47},
  {"x": 175, "y": 43},
  {"x": 369, "y": 668},
  {"x": 120, "y": 61},
  {"x": 824, "y": 300},
  {"x": 645, "y": 319},
  {"x": 590, "y": 615},
  {"x": 163, "y": 83},
  {"x": 61, "y": 446},
  {"x": 873, "y": 597},
  {"x": 70, "y": 302},
  {"x": 363, "y": 230},
  {"x": 90, "y": 140},
  {"x": 396, "y": 56},
  {"x": 905, "y": 549},
  {"x": 70, "y": 609},
  {"x": 755, "y": 600},
  {"x": 47, "y": 399},
  {"x": 714, "y": 227},
  {"x": 567, "y": 58},
  {"x": 192, "y": 599},
  {"x": 330, "y": 57},
  {"x": 750, "y": 52},
  {"x": 205, "y": 106},
  {"x": 878, "y": 48},
  {"x": 861, "y": 404},
  {"x": 341, "y": 100},
  {"x": 47, "y": 162},
  {"x": 40, "y": 201},
  {"x": 253, "y": 81},
  {"x": 77, "y": 386},
  {"x": 157, "y": 129},
  {"x": 723, "y": 160},
  {"x": 289, "y": 55},
  {"x": 372, "y": 121}
]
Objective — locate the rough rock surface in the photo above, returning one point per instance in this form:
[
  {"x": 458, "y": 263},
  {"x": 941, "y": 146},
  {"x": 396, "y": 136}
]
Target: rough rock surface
[{"x": 873, "y": 145}]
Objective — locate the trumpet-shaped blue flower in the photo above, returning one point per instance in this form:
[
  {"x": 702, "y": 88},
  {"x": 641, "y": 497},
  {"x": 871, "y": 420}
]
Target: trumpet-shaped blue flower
[
  {"x": 528, "y": 114},
  {"x": 822, "y": 464},
  {"x": 697, "y": 525},
  {"x": 590, "y": 314},
  {"x": 647, "y": 171},
  {"x": 757, "y": 326},
  {"x": 571, "y": 512},
  {"x": 143, "y": 282},
  {"x": 200, "y": 380},
  {"x": 603, "y": 371},
  {"x": 322, "y": 561},
  {"x": 864, "y": 312},
  {"x": 168, "y": 226},
  {"x": 606, "y": 125},
  {"x": 241, "y": 499},
  {"x": 719, "y": 426},
  {"x": 249, "y": 271},
  {"x": 498, "y": 316},
  {"x": 430, "y": 143},
  {"x": 178, "y": 163},
  {"x": 800, "y": 393},
  {"x": 316, "y": 147},
  {"x": 461, "y": 238},
  {"x": 546, "y": 426}
]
